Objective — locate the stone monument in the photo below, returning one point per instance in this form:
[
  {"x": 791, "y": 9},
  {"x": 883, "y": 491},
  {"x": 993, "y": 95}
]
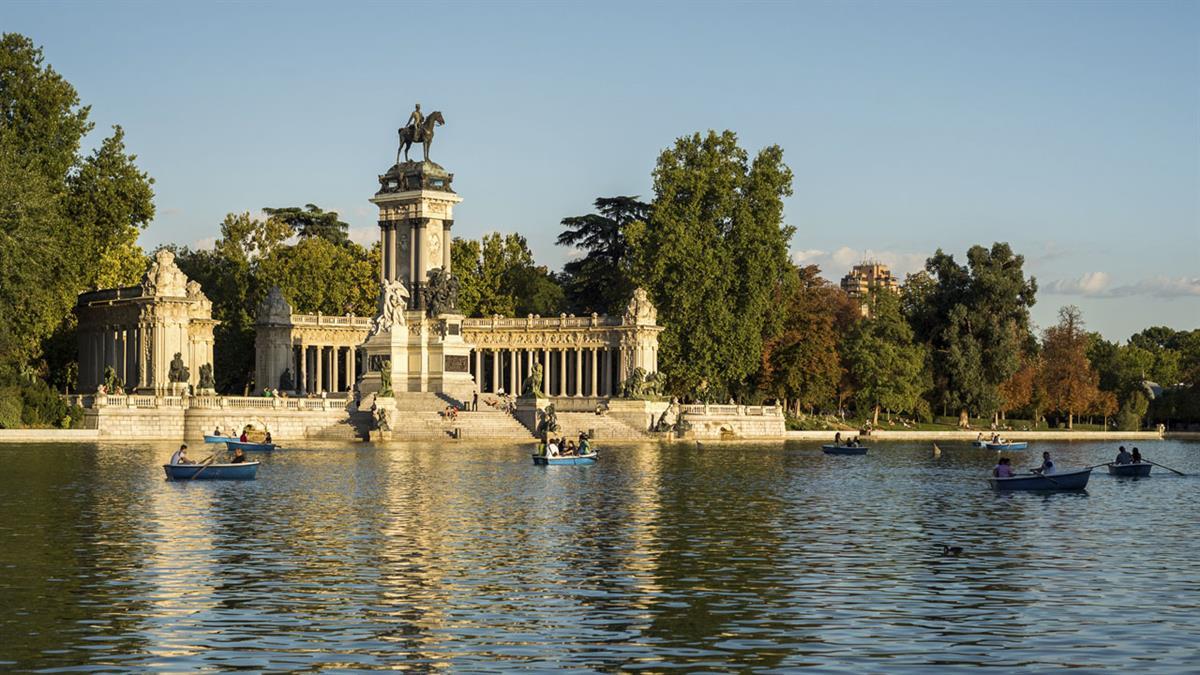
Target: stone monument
[{"x": 417, "y": 331}]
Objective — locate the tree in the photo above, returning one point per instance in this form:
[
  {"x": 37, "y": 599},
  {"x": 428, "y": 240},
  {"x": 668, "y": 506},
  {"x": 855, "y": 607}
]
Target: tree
[
  {"x": 800, "y": 362},
  {"x": 59, "y": 212},
  {"x": 311, "y": 221},
  {"x": 497, "y": 275},
  {"x": 600, "y": 281},
  {"x": 710, "y": 257},
  {"x": 887, "y": 366},
  {"x": 1017, "y": 391},
  {"x": 976, "y": 322},
  {"x": 1070, "y": 382},
  {"x": 318, "y": 276}
]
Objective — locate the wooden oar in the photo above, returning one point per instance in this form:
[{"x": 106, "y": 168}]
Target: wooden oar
[
  {"x": 206, "y": 464},
  {"x": 1165, "y": 467}
]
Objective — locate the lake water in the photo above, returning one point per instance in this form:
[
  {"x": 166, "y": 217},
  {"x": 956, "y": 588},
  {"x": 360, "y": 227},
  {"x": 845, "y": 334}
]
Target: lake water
[{"x": 768, "y": 557}]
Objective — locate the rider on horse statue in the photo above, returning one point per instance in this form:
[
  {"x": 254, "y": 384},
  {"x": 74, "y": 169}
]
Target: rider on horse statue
[{"x": 415, "y": 120}]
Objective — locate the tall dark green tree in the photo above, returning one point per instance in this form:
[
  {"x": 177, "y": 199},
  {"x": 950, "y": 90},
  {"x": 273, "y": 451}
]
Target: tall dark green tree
[
  {"x": 711, "y": 256},
  {"x": 887, "y": 366},
  {"x": 67, "y": 219},
  {"x": 497, "y": 275},
  {"x": 975, "y": 319},
  {"x": 600, "y": 280},
  {"x": 312, "y": 221}
]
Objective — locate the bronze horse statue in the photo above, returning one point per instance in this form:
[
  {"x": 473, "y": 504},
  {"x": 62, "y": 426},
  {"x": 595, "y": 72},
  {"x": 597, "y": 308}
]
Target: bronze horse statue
[{"x": 406, "y": 135}]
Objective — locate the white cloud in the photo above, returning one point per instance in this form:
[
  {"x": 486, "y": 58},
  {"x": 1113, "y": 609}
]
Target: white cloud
[
  {"x": 364, "y": 236},
  {"x": 203, "y": 244},
  {"x": 804, "y": 255},
  {"x": 1091, "y": 284},
  {"x": 1097, "y": 285}
]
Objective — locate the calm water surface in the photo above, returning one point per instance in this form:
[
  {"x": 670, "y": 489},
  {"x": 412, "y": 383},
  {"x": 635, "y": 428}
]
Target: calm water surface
[{"x": 767, "y": 557}]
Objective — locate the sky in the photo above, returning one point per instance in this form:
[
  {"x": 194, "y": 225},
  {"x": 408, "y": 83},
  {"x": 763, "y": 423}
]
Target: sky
[{"x": 1070, "y": 130}]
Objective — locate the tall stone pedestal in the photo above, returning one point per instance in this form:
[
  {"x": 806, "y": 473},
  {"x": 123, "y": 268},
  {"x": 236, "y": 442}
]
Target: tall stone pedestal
[{"x": 422, "y": 355}]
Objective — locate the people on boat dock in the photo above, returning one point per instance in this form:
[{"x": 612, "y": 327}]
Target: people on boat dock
[
  {"x": 1047, "y": 466},
  {"x": 180, "y": 456},
  {"x": 1003, "y": 468},
  {"x": 238, "y": 457},
  {"x": 1123, "y": 457}
]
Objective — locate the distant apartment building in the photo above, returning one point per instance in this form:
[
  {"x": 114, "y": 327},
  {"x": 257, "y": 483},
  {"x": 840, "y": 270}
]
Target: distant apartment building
[{"x": 866, "y": 277}]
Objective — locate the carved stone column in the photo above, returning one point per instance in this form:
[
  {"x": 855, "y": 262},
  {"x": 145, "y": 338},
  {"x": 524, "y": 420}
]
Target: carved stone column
[
  {"x": 446, "y": 241},
  {"x": 546, "y": 371},
  {"x": 334, "y": 385},
  {"x": 579, "y": 371},
  {"x": 495, "y": 370},
  {"x": 562, "y": 372},
  {"x": 302, "y": 375},
  {"x": 594, "y": 361}
]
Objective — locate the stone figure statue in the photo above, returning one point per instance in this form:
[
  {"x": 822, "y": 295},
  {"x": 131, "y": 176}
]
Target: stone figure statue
[
  {"x": 640, "y": 310},
  {"x": 206, "y": 377},
  {"x": 670, "y": 416},
  {"x": 393, "y": 299},
  {"x": 165, "y": 278},
  {"x": 178, "y": 372},
  {"x": 640, "y": 385},
  {"x": 439, "y": 295},
  {"x": 532, "y": 387},
  {"x": 547, "y": 421},
  {"x": 383, "y": 419},
  {"x": 418, "y": 130},
  {"x": 385, "y": 379}
]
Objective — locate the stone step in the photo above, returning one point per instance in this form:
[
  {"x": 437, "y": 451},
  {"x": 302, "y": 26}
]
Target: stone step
[{"x": 599, "y": 426}]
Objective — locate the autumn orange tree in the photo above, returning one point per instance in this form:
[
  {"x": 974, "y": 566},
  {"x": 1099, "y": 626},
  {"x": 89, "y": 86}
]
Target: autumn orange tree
[
  {"x": 800, "y": 363},
  {"x": 1067, "y": 377}
]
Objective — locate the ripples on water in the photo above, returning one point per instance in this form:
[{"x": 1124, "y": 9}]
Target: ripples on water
[{"x": 769, "y": 557}]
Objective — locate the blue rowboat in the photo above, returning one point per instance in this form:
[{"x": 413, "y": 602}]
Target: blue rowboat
[
  {"x": 1013, "y": 445},
  {"x": 844, "y": 450},
  {"x": 1067, "y": 480},
  {"x": 1140, "y": 469},
  {"x": 242, "y": 471},
  {"x": 979, "y": 444},
  {"x": 542, "y": 460},
  {"x": 208, "y": 438},
  {"x": 250, "y": 447}
]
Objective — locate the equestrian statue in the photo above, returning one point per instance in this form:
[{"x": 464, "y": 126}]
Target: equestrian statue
[{"x": 418, "y": 130}]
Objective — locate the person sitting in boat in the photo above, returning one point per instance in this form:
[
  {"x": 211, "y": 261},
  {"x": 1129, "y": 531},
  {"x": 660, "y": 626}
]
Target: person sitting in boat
[
  {"x": 1047, "y": 466},
  {"x": 180, "y": 456},
  {"x": 1003, "y": 468},
  {"x": 244, "y": 438},
  {"x": 585, "y": 446},
  {"x": 979, "y": 438},
  {"x": 837, "y": 438},
  {"x": 267, "y": 440},
  {"x": 1136, "y": 458},
  {"x": 1123, "y": 457},
  {"x": 571, "y": 449},
  {"x": 238, "y": 456},
  {"x": 217, "y": 431},
  {"x": 552, "y": 448}
]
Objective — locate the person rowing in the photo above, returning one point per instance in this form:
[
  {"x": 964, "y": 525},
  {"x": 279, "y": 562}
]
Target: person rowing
[
  {"x": 180, "y": 456},
  {"x": 1047, "y": 467},
  {"x": 1123, "y": 457}
]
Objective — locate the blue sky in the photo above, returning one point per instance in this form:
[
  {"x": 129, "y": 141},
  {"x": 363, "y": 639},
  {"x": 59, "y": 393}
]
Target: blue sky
[{"x": 1070, "y": 130}]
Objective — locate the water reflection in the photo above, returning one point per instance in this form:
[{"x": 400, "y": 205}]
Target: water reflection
[{"x": 766, "y": 557}]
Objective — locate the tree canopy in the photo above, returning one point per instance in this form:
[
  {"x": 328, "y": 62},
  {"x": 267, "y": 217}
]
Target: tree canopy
[
  {"x": 311, "y": 221},
  {"x": 600, "y": 281}
]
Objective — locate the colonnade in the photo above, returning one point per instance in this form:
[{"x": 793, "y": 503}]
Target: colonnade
[
  {"x": 324, "y": 368},
  {"x": 115, "y": 346},
  {"x": 570, "y": 371}
]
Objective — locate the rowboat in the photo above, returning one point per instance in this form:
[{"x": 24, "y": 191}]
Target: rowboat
[
  {"x": 1066, "y": 480},
  {"x": 1008, "y": 445},
  {"x": 209, "y": 438},
  {"x": 250, "y": 447},
  {"x": 979, "y": 444},
  {"x": 844, "y": 450},
  {"x": 1139, "y": 469},
  {"x": 241, "y": 471},
  {"x": 542, "y": 460}
]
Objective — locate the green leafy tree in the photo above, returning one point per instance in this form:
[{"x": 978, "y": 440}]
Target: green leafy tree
[
  {"x": 975, "y": 320},
  {"x": 801, "y": 365},
  {"x": 711, "y": 256},
  {"x": 66, "y": 222},
  {"x": 600, "y": 280},
  {"x": 1070, "y": 382},
  {"x": 497, "y": 275},
  {"x": 316, "y": 275},
  {"x": 311, "y": 221},
  {"x": 888, "y": 367}
]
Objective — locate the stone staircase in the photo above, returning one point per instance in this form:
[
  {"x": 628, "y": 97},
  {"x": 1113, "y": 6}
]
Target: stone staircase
[
  {"x": 605, "y": 427},
  {"x": 419, "y": 418}
]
